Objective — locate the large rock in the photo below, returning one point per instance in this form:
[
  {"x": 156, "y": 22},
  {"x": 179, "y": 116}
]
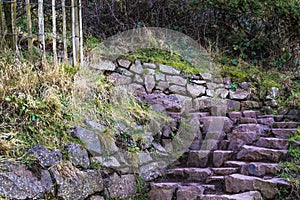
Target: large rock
[
  {"x": 216, "y": 124},
  {"x": 72, "y": 183},
  {"x": 198, "y": 158},
  {"x": 162, "y": 191},
  {"x": 189, "y": 192},
  {"x": 168, "y": 102},
  {"x": 261, "y": 130},
  {"x": 247, "y": 137},
  {"x": 149, "y": 83},
  {"x": 189, "y": 174},
  {"x": 168, "y": 70},
  {"x": 239, "y": 94},
  {"x": 274, "y": 143},
  {"x": 252, "y": 153},
  {"x": 260, "y": 169},
  {"x": 122, "y": 186},
  {"x": 78, "y": 155},
  {"x": 178, "y": 80},
  {"x": 90, "y": 139},
  {"x": 46, "y": 157},
  {"x": 219, "y": 157},
  {"x": 195, "y": 90},
  {"x": 18, "y": 182}
]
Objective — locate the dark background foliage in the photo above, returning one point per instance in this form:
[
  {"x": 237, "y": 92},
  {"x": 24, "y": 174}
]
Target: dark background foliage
[{"x": 264, "y": 32}]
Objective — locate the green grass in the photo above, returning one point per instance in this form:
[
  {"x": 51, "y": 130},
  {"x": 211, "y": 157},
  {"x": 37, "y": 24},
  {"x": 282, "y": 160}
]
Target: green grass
[
  {"x": 162, "y": 57},
  {"x": 291, "y": 169}
]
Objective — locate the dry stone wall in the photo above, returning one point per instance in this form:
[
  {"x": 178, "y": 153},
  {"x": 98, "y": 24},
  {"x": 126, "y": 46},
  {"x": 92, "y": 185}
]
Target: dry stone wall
[{"x": 236, "y": 158}]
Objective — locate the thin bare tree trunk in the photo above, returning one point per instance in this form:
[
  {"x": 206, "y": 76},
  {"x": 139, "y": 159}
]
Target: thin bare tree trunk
[
  {"x": 54, "y": 32},
  {"x": 29, "y": 27},
  {"x": 1, "y": 22},
  {"x": 74, "y": 33},
  {"x": 64, "y": 30},
  {"x": 7, "y": 16},
  {"x": 80, "y": 32},
  {"x": 14, "y": 25},
  {"x": 41, "y": 28}
]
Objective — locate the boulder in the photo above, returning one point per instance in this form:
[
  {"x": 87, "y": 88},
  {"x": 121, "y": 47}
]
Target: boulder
[
  {"x": 78, "y": 155},
  {"x": 122, "y": 187},
  {"x": 19, "y": 182},
  {"x": 239, "y": 94},
  {"x": 72, "y": 183},
  {"x": 46, "y": 157}
]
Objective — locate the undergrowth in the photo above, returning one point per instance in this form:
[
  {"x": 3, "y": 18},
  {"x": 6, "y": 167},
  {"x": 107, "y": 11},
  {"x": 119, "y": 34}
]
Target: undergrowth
[{"x": 291, "y": 168}]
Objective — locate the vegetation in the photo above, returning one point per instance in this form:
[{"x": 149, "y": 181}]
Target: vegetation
[{"x": 291, "y": 168}]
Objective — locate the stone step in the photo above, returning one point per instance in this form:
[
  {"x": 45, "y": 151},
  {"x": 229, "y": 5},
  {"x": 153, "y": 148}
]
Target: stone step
[
  {"x": 188, "y": 174},
  {"x": 222, "y": 171},
  {"x": 178, "y": 190},
  {"x": 220, "y": 156},
  {"x": 286, "y": 124},
  {"x": 259, "y": 169},
  {"x": 236, "y": 183},
  {"x": 251, "y": 195},
  {"x": 259, "y": 129},
  {"x": 253, "y": 153},
  {"x": 284, "y": 133},
  {"x": 274, "y": 143},
  {"x": 198, "y": 158},
  {"x": 215, "y": 180}
]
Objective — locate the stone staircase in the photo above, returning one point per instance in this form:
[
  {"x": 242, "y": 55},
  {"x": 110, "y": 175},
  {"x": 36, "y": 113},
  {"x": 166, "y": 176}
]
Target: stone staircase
[{"x": 240, "y": 162}]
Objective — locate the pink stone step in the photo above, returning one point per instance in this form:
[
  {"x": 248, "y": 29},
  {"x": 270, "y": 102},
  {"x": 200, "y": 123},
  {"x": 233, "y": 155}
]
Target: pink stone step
[
  {"x": 222, "y": 171},
  {"x": 236, "y": 183},
  {"x": 198, "y": 158},
  {"x": 189, "y": 174},
  {"x": 275, "y": 143},
  {"x": 253, "y": 153},
  {"x": 215, "y": 179},
  {"x": 251, "y": 195},
  {"x": 286, "y": 124},
  {"x": 284, "y": 133},
  {"x": 220, "y": 156}
]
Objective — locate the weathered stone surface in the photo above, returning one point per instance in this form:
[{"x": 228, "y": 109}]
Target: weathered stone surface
[
  {"x": 266, "y": 121},
  {"x": 210, "y": 93},
  {"x": 137, "y": 67},
  {"x": 162, "y": 85},
  {"x": 121, "y": 186},
  {"x": 96, "y": 197},
  {"x": 261, "y": 130},
  {"x": 186, "y": 103},
  {"x": 239, "y": 183},
  {"x": 252, "y": 153},
  {"x": 149, "y": 65},
  {"x": 169, "y": 70},
  {"x": 247, "y": 137},
  {"x": 18, "y": 182},
  {"x": 124, "y": 63},
  {"x": 189, "y": 192},
  {"x": 90, "y": 139},
  {"x": 219, "y": 157},
  {"x": 250, "y": 113},
  {"x": 244, "y": 85},
  {"x": 235, "y": 145},
  {"x": 189, "y": 174},
  {"x": 260, "y": 169},
  {"x": 198, "y": 158},
  {"x": 239, "y": 94},
  {"x": 269, "y": 188},
  {"x": 206, "y": 76},
  {"x": 162, "y": 191},
  {"x": 149, "y": 83},
  {"x": 95, "y": 125},
  {"x": 46, "y": 158},
  {"x": 78, "y": 155},
  {"x": 151, "y": 171},
  {"x": 125, "y": 72},
  {"x": 222, "y": 93},
  {"x": 160, "y": 77},
  {"x": 168, "y": 102},
  {"x": 224, "y": 171},
  {"x": 178, "y": 89},
  {"x": 74, "y": 184},
  {"x": 119, "y": 79},
  {"x": 138, "y": 79},
  {"x": 216, "y": 124},
  {"x": 178, "y": 80},
  {"x": 209, "y": 144},
  {"x": 232, "y": 105},
  {"x": 251, "y": 195},
  {"x": 245, "y": 120},
  {"x": 235, "y": 115},
  {"x": 284, "y": 133},
  {"x": 195, "y": 90},
  {"x": 274, "y": 143},
  {"x": 203, "y": 103},
  {"x": 198, "y": 82}
]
